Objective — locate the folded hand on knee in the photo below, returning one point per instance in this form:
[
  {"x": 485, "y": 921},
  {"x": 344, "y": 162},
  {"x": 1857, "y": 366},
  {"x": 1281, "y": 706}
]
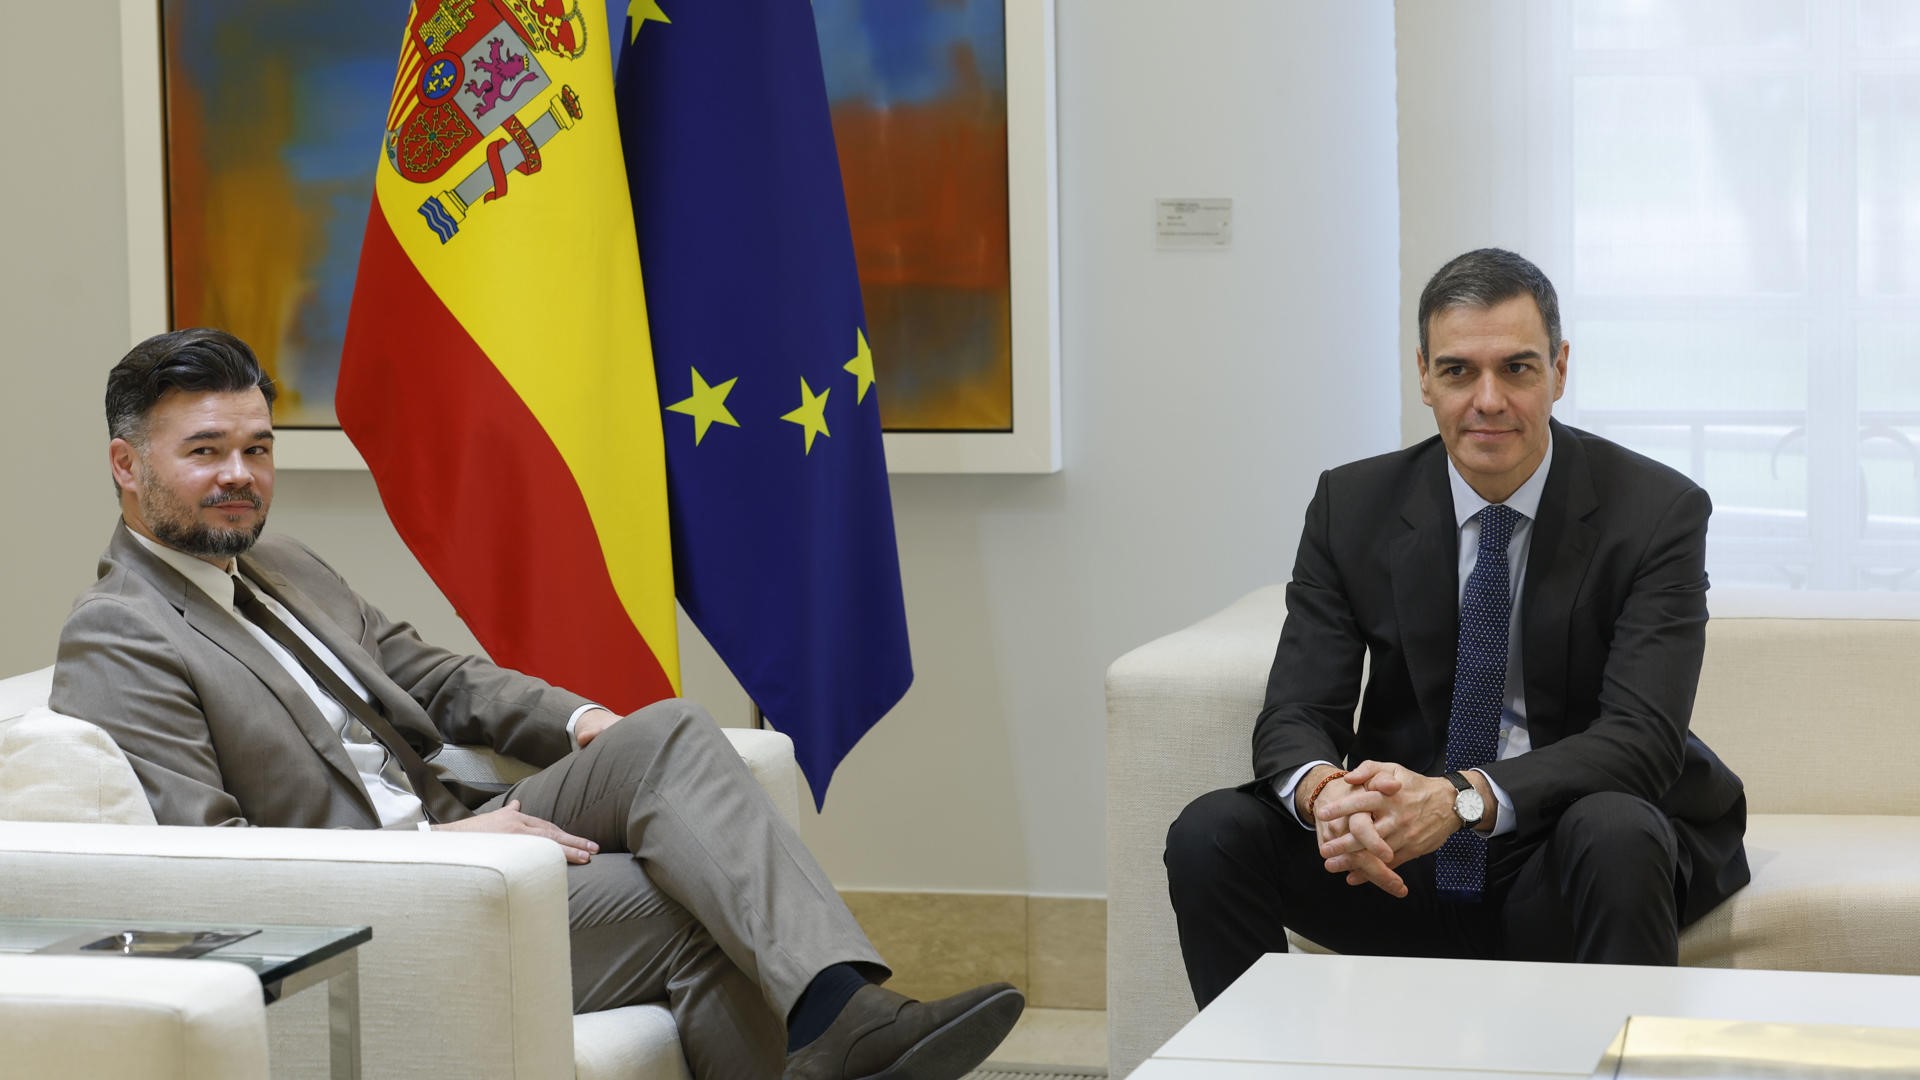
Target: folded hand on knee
[{"x": 509, "y": 819}]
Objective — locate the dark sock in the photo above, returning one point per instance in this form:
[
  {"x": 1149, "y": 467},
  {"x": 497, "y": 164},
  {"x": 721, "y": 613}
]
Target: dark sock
[{"x": 820, "y": 1004}]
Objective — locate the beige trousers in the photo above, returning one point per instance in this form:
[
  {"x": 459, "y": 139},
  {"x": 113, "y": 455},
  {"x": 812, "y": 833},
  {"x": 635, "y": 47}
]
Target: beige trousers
[{"x": 701, "y": 894}]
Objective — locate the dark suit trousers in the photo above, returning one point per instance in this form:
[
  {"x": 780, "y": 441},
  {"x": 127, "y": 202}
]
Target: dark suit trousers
[
  {"x": 701, "y": 894},
  {"x": 1600, "y": 888}
]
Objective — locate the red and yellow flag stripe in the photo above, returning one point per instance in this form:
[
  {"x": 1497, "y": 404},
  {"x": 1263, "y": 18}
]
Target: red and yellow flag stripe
[{"x": 499, "y": 380}]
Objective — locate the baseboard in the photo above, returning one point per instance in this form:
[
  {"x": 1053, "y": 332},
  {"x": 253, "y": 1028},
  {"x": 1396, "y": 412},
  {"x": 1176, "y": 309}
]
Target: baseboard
[{"x": 1052, "y": 947}]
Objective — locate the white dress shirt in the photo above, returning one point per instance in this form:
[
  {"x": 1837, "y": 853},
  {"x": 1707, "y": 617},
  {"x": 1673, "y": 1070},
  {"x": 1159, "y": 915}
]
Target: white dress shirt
[
  {"x": 1513, "y": 739},
  {"x": 380, "y": 774}
]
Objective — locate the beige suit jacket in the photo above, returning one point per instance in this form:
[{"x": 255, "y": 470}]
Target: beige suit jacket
[{"x": 220, "y": 734}]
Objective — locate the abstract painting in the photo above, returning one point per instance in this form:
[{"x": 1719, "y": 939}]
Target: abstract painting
[
  {"x": 918, "y": 90},
  {"x": 274, "y": 117}
]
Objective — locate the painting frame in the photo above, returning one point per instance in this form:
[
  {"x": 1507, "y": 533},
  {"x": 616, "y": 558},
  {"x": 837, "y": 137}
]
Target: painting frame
[{"x": 1033, "y": 445}]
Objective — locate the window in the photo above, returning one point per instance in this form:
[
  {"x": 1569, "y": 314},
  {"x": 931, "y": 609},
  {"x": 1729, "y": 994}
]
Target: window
[{"x": 1734, "y": 226}]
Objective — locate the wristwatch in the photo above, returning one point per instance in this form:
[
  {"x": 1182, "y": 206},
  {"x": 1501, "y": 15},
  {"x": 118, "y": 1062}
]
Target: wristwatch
[{"x": 1468, "y": 806}]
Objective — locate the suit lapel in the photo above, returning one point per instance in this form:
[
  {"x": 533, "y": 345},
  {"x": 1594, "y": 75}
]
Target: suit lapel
[
  {"x": 1425, "y": 563},
  {"x": 1558, "y": 555},
  {"x": 397, "y": 704},
  {"x": 223, "y": 629}
]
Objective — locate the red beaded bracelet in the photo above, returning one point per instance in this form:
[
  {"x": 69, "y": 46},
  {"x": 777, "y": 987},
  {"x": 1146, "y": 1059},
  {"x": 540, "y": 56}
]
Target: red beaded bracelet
[{"x": 1322, "y": 786}]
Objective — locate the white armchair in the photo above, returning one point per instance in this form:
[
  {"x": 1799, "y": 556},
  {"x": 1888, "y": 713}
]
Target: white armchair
[
  {"x": 467, "y": 973},
  {"x": 130, "y": 1018}
]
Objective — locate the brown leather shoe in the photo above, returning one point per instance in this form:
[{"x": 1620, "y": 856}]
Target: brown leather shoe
[{"x": 881, "y": 1035}]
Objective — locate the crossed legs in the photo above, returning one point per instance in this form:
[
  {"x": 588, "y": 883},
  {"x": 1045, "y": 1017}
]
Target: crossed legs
[
  {"x": 701, "y": 894},
  {"x": 632, "y": 943}
]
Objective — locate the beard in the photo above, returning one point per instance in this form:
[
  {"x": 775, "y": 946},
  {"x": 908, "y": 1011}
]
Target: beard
[{"x": 175, "y": 524}]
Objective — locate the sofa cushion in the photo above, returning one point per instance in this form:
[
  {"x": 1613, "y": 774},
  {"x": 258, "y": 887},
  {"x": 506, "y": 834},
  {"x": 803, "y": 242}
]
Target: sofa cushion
[
  {"x": 57, "y": 768},
  {"x": 1792, "y": 705},
  {"x": 638, "y": 1040},
  {"x": 1830, "y": 892},
  {"x": 19, "y": 693}
]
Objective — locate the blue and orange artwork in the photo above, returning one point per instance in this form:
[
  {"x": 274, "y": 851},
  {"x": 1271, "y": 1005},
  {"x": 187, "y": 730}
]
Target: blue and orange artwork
[
  {"x": 272, "y": 106},
  {"x": 271, "y": 111},
  {"x": 918, "y": 90}
]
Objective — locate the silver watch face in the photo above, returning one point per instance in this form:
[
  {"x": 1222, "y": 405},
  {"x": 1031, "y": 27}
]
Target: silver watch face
[{"x": 1469, "y": 806}]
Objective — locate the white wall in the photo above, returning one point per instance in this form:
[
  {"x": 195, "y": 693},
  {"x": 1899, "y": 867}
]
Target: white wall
[
  {"x": 63, "y": 304},
  {"x": 1203, "y": 394},
  {"x": 1466, "y": 175}
]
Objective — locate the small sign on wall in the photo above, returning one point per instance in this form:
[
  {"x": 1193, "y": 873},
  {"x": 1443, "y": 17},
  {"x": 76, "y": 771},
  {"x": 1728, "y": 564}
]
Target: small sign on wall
[{"x": 1193, "y": 224}]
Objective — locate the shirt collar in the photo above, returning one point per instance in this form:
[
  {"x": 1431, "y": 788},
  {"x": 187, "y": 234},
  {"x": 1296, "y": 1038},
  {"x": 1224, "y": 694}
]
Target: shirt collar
[
  {"x": 1467, "y": 502},
  {"x": 210, "y": 579}
]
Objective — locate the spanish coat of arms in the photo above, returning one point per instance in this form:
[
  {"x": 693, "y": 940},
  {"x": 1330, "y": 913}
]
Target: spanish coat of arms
[{"x": 468, "y": 69}]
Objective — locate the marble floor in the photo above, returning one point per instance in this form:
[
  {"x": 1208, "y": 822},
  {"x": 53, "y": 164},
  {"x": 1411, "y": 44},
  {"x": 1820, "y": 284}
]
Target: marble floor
[{"x": 1075, "y": 1037}]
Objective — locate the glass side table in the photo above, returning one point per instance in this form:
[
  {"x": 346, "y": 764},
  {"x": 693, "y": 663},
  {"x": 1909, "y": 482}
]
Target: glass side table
[{"x": 287, "y": 959}]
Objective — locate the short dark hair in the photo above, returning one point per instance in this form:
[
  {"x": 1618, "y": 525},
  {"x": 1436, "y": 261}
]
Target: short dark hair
[
  {"x": 1487, "y": 277},
  {"x": 197, "y": 359}
]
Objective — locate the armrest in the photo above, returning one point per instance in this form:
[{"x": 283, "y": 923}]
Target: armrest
[
  {"x": 130, "y": 1018},
  {"x": 1180, "y": 709},
  {"x": 467, "y": 974},
  {"x": 769, "y": 756},
  {"x": 1180, "y": 714}
]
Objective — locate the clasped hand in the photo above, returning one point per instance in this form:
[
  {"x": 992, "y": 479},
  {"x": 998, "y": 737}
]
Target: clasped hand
[{"x": 1377, "y": 817}]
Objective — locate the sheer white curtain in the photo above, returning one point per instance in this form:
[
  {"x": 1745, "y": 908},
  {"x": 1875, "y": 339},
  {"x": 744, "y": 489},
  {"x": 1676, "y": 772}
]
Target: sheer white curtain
[{"x": 1727, "y": 194}]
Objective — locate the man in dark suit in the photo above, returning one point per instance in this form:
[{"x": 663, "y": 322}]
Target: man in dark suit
[
  {"x": 1525, "y": 604},
  {"x": 249, "y": 685}
]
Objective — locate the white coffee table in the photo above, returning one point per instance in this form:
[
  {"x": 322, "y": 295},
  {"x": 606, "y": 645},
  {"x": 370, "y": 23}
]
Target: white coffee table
[{"x": 1392, "y": 1018}]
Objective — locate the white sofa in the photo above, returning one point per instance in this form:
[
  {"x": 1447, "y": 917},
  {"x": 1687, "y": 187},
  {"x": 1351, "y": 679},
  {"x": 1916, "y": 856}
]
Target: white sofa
[
  {"x": 468, "y": 972},
  {"x": 131, "y": 1019},
  {"x": 1815, "y": 715}
]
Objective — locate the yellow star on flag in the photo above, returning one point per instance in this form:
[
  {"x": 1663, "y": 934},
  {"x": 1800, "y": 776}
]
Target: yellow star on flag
[
  {"x": 861, "y": 365},
  {"x": 639, "y": 11},
  {"x": 707, "y": 406},
  {"x": 812, "y": 413}
]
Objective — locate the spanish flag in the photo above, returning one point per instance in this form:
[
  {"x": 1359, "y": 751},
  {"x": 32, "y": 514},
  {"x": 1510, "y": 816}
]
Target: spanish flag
[{"x": 497, "y": 375}]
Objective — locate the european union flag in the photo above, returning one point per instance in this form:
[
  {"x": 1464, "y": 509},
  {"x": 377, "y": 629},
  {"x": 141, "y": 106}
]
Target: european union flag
[{"x": 783, "y": 542}]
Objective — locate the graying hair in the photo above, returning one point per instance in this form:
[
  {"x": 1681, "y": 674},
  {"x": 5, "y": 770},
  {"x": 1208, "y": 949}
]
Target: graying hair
[{"x": 1487, "y": 277}]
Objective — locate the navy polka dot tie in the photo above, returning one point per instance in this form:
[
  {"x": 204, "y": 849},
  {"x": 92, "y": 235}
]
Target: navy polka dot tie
[{"x": 1479, "y": 692}]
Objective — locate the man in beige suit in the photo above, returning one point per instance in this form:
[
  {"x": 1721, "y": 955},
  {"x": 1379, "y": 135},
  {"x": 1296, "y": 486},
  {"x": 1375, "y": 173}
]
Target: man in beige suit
[{"x": 249, "y": 685}]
